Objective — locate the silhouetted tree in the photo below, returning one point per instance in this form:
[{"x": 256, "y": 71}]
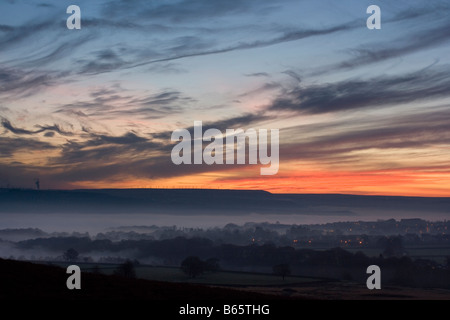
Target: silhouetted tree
[
  {"x": 70, "y": 255},
  {"x": 193, "y": 266},
  {"x": 126, "y": 270},
  {"x": 282, "y": 270}
]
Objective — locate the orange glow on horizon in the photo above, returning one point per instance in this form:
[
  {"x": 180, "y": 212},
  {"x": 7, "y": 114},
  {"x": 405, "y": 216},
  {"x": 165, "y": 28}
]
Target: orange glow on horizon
[{"x": 389, "y": 183}]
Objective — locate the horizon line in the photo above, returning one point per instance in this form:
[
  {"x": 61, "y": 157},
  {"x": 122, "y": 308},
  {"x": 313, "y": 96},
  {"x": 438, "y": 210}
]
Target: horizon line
[{"x": 220, "y": 189}]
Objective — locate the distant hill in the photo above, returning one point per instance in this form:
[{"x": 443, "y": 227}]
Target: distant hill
[
  {"x": 26, "y": 280},
  {"x": 201, "y": 201}
]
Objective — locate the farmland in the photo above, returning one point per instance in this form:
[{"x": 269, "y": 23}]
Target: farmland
[{"x": 222, "y": 278}]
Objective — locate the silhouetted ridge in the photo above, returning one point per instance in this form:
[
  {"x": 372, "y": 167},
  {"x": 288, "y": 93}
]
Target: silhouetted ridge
[{"x": 203, "y": 201}]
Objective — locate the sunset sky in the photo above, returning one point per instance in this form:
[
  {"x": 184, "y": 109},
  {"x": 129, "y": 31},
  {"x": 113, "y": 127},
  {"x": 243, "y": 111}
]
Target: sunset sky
[{"x": 359, "y": 111}]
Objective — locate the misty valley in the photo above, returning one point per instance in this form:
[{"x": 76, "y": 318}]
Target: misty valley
[
  {"x": 410, "y": 252},
  {"x": 294, "y": 246}
]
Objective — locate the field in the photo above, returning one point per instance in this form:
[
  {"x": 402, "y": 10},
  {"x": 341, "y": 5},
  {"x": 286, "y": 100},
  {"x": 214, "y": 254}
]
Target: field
[
  {"x": 292, "y": 287},
  {"x": 221, "y": 278}
]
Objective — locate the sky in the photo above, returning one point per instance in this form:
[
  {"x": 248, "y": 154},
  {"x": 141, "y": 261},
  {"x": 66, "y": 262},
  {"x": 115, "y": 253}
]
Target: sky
[{"x": 359, "y": 111}]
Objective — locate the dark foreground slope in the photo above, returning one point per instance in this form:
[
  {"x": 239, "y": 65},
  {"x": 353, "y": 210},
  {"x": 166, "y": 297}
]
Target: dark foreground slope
[{"x": 25, "y": 280}]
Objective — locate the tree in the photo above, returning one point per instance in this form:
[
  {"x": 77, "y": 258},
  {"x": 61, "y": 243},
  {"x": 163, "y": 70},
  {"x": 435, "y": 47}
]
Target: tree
[
  {"x": 282, "y": 270},
  {"x": 193, "y": 266},
  {"x": 126, "y": 270},
  {"x": 70, "y": 255}
]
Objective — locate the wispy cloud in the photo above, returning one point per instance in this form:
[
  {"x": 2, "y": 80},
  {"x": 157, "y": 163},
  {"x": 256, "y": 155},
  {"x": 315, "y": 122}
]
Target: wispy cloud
[
  {"x": 10, "y": 146},
  {"x": 287, "y": 36},
  {"x": 16, "y": 83},
  {"x": 433, "y": 35},
  {"x": 370, "y": 93},
  {"x": 41, "y": 128},
  {"x": 185, "y": 10},
  {"x": 114, "y": 101},
  {"x": 353, "y": 139}
]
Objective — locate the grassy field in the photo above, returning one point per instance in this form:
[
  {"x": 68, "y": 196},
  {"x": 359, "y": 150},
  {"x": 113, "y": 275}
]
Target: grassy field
[
  {"x": 32, "y": 281},
  {"x": 222, "y": 278},
  {"x": 218, "y": 278}
]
